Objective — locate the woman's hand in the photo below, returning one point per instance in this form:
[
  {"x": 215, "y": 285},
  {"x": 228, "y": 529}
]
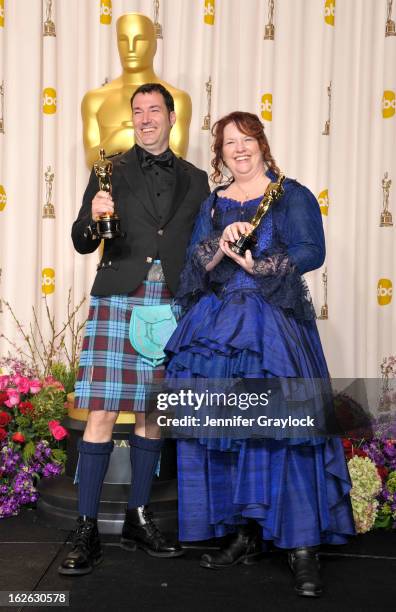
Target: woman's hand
[
  {"x": 245, "y": 262},
  {"x": 232, "y": 232}
]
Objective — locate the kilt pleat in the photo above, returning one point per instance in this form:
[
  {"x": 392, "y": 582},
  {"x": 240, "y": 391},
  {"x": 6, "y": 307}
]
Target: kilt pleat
[{"x": 112, "y": 376}]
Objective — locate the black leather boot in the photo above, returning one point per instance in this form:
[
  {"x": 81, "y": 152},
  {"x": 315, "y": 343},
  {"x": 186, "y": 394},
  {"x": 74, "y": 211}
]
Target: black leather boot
[
  {"x": 140, "y": 531},
  {"x": 86, "y": 551},
  {"x": 246, "y": 547},
  {"x": 304, "y": 563}
]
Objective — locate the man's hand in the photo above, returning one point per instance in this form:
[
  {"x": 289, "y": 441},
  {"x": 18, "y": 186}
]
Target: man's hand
[{"x": 102, "y": 204}]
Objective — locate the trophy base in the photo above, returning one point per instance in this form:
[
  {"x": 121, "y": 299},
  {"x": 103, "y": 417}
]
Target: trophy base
[
  {"x": 108, "y": 227},
  {"x": 324, "y": 312},
  {"x": 390, "y": 28},
  {"x": 243, "y": 244},
  {"x": 158, "y": 30},
  {"x": 206, "y": 123},
  {"x": 386, "y": 219},
  {"x": 326, "y": 130},
  {"x": 269, "y": 32},
  {"x": 49, "y": 28},
  {"x": 48, "y": 211}
]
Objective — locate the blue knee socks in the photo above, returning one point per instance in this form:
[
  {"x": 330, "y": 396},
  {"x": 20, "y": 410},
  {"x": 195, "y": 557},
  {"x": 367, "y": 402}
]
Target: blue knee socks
[
  {"x": 92, "y": 467},
  {"x": 145, "y": 453}
]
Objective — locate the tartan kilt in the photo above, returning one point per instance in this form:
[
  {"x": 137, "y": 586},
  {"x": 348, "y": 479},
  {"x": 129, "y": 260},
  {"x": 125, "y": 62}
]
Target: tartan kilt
[{"x": 112, "y": 376}]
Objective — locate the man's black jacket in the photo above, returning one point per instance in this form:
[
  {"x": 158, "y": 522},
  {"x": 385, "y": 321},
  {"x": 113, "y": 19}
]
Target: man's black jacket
[{"x": 126, "y": 260}]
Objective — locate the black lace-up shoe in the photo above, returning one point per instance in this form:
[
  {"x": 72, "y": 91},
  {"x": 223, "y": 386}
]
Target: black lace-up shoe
[
  {"x": 140, "y": 531},
  {"x": 304, "y": 563},
  {"x": 246, "y": 547},
  {"x": 86, "y": 551}
]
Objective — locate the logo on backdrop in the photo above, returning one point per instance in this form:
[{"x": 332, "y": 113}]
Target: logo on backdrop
[
  {"x": 329, "y": 12},
  {"x": 266, "y": 106},
  {"x": 323, "y": 199},
  {"x": 209, "y": 12},
  {"x": 388, "y": 104},
  {"x": 105, "y": 12},
  {"x": 49, "y": 101},
  {"x": 384, "y": 291},
  {"x": 3, "y": 198},
  {"x": 2, "y": 13},
  {"x": 48, "y": 281}
]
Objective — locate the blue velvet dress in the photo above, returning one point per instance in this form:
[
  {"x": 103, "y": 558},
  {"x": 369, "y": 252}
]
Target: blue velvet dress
[{"x": 257, "y": 325}]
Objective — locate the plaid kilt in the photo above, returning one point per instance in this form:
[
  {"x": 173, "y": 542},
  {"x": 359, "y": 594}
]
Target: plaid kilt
[{"x": 112, "y": 376}]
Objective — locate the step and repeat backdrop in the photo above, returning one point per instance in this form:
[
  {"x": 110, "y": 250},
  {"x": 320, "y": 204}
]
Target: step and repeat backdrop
[{"x": 321, "y": 75}]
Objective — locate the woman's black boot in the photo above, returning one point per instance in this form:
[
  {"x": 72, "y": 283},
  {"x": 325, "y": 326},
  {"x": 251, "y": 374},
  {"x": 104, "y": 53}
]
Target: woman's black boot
[
  {"x": 304, "y": 563},
  {"x": 245, "y": 547}
]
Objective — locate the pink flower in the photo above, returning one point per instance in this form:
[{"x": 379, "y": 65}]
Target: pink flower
[
  {"x": 50, "y": 381},
  {"x": 4, "y": 380},
  {"x": 57, "y": 430},
  {"x": 22, "y": 383},
  {"x": 13, "y": 397},
  {"x": 35, "y": 386}
]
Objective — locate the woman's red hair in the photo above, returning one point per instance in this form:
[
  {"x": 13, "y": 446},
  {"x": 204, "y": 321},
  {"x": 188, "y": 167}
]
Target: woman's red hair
[{"x": 248, "y": 124}]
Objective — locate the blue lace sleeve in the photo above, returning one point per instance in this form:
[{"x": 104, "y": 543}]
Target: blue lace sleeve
[{"x": 298, "y": 247}]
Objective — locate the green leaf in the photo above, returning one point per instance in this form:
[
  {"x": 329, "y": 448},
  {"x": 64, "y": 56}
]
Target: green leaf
[{"x": 28, "y": 451}]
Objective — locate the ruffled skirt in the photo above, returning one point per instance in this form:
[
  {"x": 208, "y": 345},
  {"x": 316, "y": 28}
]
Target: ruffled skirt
[{"x": 297, "y": 489}]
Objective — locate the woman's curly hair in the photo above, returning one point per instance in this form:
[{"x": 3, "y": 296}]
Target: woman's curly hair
[{"x": 248, "y": 124}]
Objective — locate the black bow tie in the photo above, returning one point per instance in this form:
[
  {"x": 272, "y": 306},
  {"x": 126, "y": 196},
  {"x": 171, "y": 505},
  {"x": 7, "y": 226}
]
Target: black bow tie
[{"x": 165, "y": 160}]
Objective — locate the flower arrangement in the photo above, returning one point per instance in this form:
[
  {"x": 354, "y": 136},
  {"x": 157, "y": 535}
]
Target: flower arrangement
[
  {"x": 30, "y": 434},
  {"x": 366, "y": 485}
]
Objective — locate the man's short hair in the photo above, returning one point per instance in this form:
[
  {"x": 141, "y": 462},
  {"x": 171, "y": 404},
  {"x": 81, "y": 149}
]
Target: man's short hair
[{"x": 150, "y": 87}]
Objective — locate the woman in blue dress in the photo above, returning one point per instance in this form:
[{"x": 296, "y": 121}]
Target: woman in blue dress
[{"x": 252, "y": 317}]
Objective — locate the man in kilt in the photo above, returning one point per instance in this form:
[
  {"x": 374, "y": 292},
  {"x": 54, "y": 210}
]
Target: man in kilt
[{"x": 157, "y": 198}]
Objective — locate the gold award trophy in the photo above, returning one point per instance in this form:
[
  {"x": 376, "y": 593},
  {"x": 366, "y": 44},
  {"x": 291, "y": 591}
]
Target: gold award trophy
[
  {"x": 390, "y": 28},
  {"x": 324, "y": 311},
  {"x": 386, "y": 215},
  {"x": 326, "y": 130},
  {"x": 108, "y": 224},
  {"x": 2, "y": 108},
  {"x": 269, "y": 32},
  {"x": 49, "y": 26},
  {"x": 206, "y": 121},
  {"x": 49, "y": 208},
  {"x": 273, "y": 192},
  {"x": 157, "y": 25}
]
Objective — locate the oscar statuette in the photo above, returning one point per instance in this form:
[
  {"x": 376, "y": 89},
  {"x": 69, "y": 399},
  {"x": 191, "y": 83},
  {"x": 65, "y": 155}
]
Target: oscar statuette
[
  {"x": 386, "y": 215},
  {"x": 269, "y": 32},
  {"x": 390, "y": 27},
  {"x": 273, "y": 192},
  {"x": 108, "y": 225}
]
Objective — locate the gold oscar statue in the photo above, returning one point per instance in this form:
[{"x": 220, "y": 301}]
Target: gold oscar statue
[
  {"x": 206, "y": 121},
  {"x": 386, "y": 215},
  {"x": 273, "y": 192},
  {"x": 106, "y": 112},
  {"x": 157, "y": 25},
  {"x": 2, "y": 108},
  {"x": 390, "y": 27},
  {"x": 269, "y": 32},
  {"x": 48, "y": 208},
  {"x": 49, "y": 26},
  {"x": 108, "y": 224},
  {"x": 324, "y": 311},
  {"x": 326, "y": 130}
]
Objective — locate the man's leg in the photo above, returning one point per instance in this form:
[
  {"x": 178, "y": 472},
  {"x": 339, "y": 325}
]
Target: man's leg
[
  {"x": 94, "y": 456},
  {"x": 139, "y": 528}
]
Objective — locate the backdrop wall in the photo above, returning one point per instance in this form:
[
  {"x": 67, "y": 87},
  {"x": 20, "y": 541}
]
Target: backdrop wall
[{"x": 323, "y": 51}]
